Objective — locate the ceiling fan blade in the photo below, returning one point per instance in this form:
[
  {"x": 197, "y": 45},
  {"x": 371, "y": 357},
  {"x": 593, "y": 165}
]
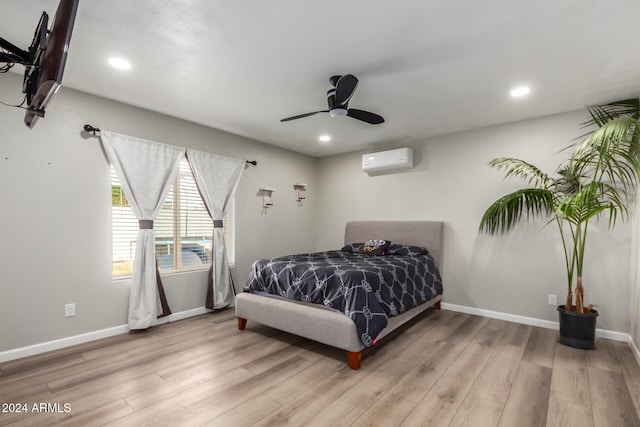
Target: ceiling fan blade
[
  {"x": 303, "y": 115},
  {"x": 365, "y": 116},
  {"x": 345, "y": 87}
]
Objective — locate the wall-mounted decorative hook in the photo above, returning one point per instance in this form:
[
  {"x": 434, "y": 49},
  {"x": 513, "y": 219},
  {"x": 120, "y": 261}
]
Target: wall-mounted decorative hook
[
  {"x": 299, "y": 189},
  {"x": 266, "y": 198}
]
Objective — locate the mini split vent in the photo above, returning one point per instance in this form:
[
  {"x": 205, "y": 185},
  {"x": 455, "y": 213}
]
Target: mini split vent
[{"x": 387, "y": 161}]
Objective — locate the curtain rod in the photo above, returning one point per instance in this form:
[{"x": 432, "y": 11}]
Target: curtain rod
[{"x": 93, "y": 130}]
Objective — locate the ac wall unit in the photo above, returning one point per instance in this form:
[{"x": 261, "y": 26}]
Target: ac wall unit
[{"x": 387, "y": 161}]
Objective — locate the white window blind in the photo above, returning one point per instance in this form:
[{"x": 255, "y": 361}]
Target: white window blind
[{"x": 183, "y": 223}]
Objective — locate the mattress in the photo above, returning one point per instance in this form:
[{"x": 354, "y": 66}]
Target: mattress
[{"x": 368, "y": 289}]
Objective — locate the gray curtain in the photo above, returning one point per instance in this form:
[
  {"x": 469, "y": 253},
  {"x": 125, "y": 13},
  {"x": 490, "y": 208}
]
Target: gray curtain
[
  {"x": 217, "y": 178},
  {"x": 146, "y": 170}
]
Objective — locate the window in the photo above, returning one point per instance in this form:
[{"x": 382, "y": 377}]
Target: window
[{"x": 183, "y": 223}]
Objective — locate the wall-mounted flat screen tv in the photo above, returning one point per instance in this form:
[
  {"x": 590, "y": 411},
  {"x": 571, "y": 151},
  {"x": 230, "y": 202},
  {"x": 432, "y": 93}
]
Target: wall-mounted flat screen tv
[{"x": 45, "y": 59}]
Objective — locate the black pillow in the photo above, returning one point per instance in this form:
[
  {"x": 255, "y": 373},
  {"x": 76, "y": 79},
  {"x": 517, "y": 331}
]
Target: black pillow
[
  {"x": 377, "y": 247},
  {"x": 353, "y": 247}
]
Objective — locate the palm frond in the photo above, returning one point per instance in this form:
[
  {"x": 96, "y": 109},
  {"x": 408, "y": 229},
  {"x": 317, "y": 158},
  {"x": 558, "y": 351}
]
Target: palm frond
[
  {"x": 521, "y": 169},
  {"x": 602, "y": 114},
  {"x": 569, "y": 181},
  {"x": 507, "y": 211},
  {"x": 592, "y": 200},
  {"x": 611, "y": 152}
]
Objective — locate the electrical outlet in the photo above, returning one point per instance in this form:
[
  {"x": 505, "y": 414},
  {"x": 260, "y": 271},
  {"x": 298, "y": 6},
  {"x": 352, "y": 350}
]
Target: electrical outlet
[
  {"x": 553, "y": 300},
  {"x": 69, "y": 310}
]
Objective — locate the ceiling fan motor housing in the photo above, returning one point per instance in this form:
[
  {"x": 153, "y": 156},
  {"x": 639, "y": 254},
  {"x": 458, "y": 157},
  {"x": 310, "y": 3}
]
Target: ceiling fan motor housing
[{"x": 335, "y": 110}]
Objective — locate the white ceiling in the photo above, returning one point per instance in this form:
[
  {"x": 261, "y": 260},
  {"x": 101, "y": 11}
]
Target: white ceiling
[{"x": 429, "y": 67}]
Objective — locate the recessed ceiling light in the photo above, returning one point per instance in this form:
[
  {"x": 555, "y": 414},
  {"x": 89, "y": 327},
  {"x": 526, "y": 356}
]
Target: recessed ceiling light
[
  {"x": 520, "y": 91},
  {"x": 119, "y": 63},
  {"x": 324, "y": 138}
]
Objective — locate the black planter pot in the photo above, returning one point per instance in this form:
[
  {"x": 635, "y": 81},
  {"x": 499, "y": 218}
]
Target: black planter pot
[{"x": 577, "y": 330}]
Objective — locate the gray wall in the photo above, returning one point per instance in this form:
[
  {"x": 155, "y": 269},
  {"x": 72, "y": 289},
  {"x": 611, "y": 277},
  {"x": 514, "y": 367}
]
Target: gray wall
[
  {"x": 452, "y": 182},
  {"x": 55, "y": 216}
]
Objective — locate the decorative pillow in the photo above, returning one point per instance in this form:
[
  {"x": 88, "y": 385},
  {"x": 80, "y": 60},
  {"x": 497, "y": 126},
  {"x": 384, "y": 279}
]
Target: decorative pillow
[
  {"x": 408, "y": 250},
  {"x": 377, "y": 247},
  {"x": 356, "y": 248}
]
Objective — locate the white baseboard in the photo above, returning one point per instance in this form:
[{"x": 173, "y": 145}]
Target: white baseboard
[
  {"x": 32, "y": 350},
  {"x": 634, "y": 349},
  {"x": 601, "y": 333},
  {"x": 183, "y": 315}
]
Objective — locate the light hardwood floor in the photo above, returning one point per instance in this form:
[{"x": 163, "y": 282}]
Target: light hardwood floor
[{"x": 444, "y": 369}]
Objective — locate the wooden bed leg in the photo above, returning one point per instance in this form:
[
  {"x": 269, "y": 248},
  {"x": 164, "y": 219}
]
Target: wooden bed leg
[
  {"x": 437, "y": 305},
  {"x": 354, "y": 359},
  {"x": 242, "y": 323}
]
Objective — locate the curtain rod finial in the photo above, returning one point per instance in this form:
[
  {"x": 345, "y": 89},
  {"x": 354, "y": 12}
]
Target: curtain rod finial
[{"x": 91, "y": 129}]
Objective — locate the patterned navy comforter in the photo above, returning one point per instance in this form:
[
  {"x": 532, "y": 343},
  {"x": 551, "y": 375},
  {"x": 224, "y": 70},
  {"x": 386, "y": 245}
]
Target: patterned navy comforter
[{"x": 368, "y": 289}]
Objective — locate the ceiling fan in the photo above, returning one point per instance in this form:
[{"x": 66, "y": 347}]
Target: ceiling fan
[{"x": 338, "y": 99}]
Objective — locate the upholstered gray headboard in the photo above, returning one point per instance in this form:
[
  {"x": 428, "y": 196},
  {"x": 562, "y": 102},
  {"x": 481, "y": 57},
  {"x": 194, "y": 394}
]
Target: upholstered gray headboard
[{"x": 429, "y": 234}]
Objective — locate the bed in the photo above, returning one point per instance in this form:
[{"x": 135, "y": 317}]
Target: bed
[{"x": 331, "y": 326}]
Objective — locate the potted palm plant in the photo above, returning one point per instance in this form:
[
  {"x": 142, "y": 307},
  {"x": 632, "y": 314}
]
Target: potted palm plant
[{"x": 598, "y": 179}]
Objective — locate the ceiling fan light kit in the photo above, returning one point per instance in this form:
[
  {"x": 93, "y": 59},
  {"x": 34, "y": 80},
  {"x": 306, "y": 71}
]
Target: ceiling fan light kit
[
  {"x": 338, "y": 99},
  {"x": 337, "y": 112}
]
